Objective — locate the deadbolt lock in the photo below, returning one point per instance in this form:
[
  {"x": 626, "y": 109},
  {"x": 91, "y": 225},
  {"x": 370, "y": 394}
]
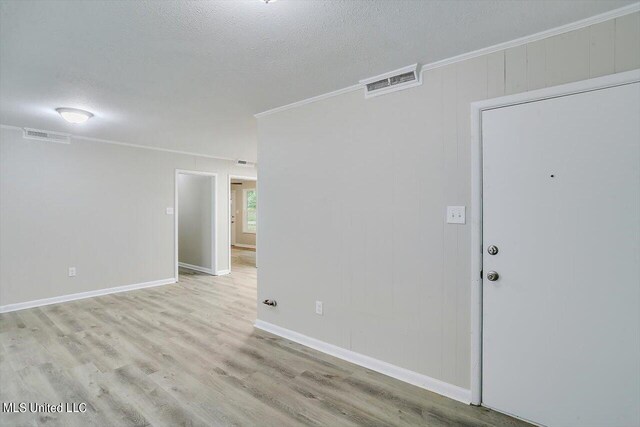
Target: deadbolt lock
[
  {"x": 492, "y": 276},
  {"x": 493, "y": 249}
]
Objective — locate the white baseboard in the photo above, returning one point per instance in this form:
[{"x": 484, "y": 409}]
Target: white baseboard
[
  {"x": 196, "y": 268},
  {"x": 222, "y": 272},
  {"x": 82, "y": 295},
  {"x": 402, "y": 374},
  {"x": 240, "y": 245}
]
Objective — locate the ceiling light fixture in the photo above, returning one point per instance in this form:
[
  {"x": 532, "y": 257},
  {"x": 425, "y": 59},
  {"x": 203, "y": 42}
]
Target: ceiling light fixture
[{"x": 73, "y": 115}]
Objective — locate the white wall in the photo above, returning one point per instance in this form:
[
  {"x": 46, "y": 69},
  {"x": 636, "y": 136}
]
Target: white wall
[
  {"x": 195, "y": 221},
  {"x": 366, "y": 234},
  {"x": 98, "y": 207}
]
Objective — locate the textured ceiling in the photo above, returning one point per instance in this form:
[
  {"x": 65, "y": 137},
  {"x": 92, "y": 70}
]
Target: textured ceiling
[{"x": 190, "y": 75}]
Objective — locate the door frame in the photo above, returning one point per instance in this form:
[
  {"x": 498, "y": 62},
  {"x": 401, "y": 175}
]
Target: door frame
[
  {"x": 233, "y": 203},
  {"x": 477, "y": 108},
  {"x": 214, "y": 220},
  {"x": 245, "y": 178}
]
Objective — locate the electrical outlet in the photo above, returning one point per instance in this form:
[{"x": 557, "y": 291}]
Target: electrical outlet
[
  {"x": 72, "y": 271},
  {"x": 319, "y": 307},
  {"x": 169, "y": 211},
  {"x": 456, "y": 215}
]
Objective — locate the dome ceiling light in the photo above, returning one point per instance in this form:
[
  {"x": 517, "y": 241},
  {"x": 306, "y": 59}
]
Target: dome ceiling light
[{"x": 74, "y": 115}]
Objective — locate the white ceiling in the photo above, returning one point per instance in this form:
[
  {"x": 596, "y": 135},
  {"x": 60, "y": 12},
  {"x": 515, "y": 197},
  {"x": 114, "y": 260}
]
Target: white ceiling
[{"x": 190, "y": 75}]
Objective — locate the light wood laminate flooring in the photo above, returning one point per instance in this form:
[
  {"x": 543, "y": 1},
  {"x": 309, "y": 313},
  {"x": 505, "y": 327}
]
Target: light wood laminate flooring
[{"x": 187, "y": 354}]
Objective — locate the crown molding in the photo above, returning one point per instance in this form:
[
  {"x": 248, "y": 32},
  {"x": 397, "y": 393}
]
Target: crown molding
[
  {"x": 596, "y": 19},
  {"x": 309, "y": 100},
  {"x": 127, "y": 144}
]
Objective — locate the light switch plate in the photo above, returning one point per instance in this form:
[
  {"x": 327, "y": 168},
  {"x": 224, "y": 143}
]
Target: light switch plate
[
  {"x": 72, "y": 271},
  {"x": 319, "y": 307},
  {"x": 456, "y": 215},
  {"x": 169, "y": 211}
]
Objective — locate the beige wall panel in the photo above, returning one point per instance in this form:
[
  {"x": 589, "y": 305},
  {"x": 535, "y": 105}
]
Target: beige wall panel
[
  {"x": 515, "y": 70},
  {"x": 568, "y": 57},
  {"x": 472, "y": 86},
  {"x": 495, "y": 74},
  {"x": 628, "y": 42},
  {"x": 536, "y": 65},
  {"x": 449, "y": 238},
  {"x": 602, "y": 48},
  {"x": 425, "y": 278}
]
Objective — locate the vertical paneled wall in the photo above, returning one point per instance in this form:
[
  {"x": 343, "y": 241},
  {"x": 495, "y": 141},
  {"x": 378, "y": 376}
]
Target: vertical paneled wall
[
  {"x": 367, "y": 234},
  {"x": 98, "y": 207}
]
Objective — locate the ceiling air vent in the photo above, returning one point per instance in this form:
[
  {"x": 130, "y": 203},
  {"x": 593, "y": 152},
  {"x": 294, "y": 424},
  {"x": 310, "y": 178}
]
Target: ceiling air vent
[
  {"x": 245, "y": 164},
  {"x": 45, "y": 135},
  {"x": 402, "y": 78}
]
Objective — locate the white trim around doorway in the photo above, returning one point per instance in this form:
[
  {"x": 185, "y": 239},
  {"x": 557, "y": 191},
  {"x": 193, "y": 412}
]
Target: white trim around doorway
[{"x": 477, "y": 108}]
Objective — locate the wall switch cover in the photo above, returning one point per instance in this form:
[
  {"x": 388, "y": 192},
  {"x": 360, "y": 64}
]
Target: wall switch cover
[
  {"x": 72, "y": 271},
  {"x": 319, "y": 307},
  {"x": 169, "y": 211},
  {"x": 456, "y": 215}
]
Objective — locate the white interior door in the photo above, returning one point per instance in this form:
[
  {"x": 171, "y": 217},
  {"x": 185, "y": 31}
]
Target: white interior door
[{"x": 561, "y": 202}]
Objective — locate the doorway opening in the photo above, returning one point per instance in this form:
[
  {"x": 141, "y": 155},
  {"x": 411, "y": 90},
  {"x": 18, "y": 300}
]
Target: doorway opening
[
  {"x": 243, "y": 218},
  {"x": 195, "y": 221}
]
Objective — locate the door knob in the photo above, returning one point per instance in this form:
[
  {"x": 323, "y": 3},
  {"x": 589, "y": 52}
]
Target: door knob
[
  {"x": 492, "y": 276},
  {"x": 493, "y": 249}
]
